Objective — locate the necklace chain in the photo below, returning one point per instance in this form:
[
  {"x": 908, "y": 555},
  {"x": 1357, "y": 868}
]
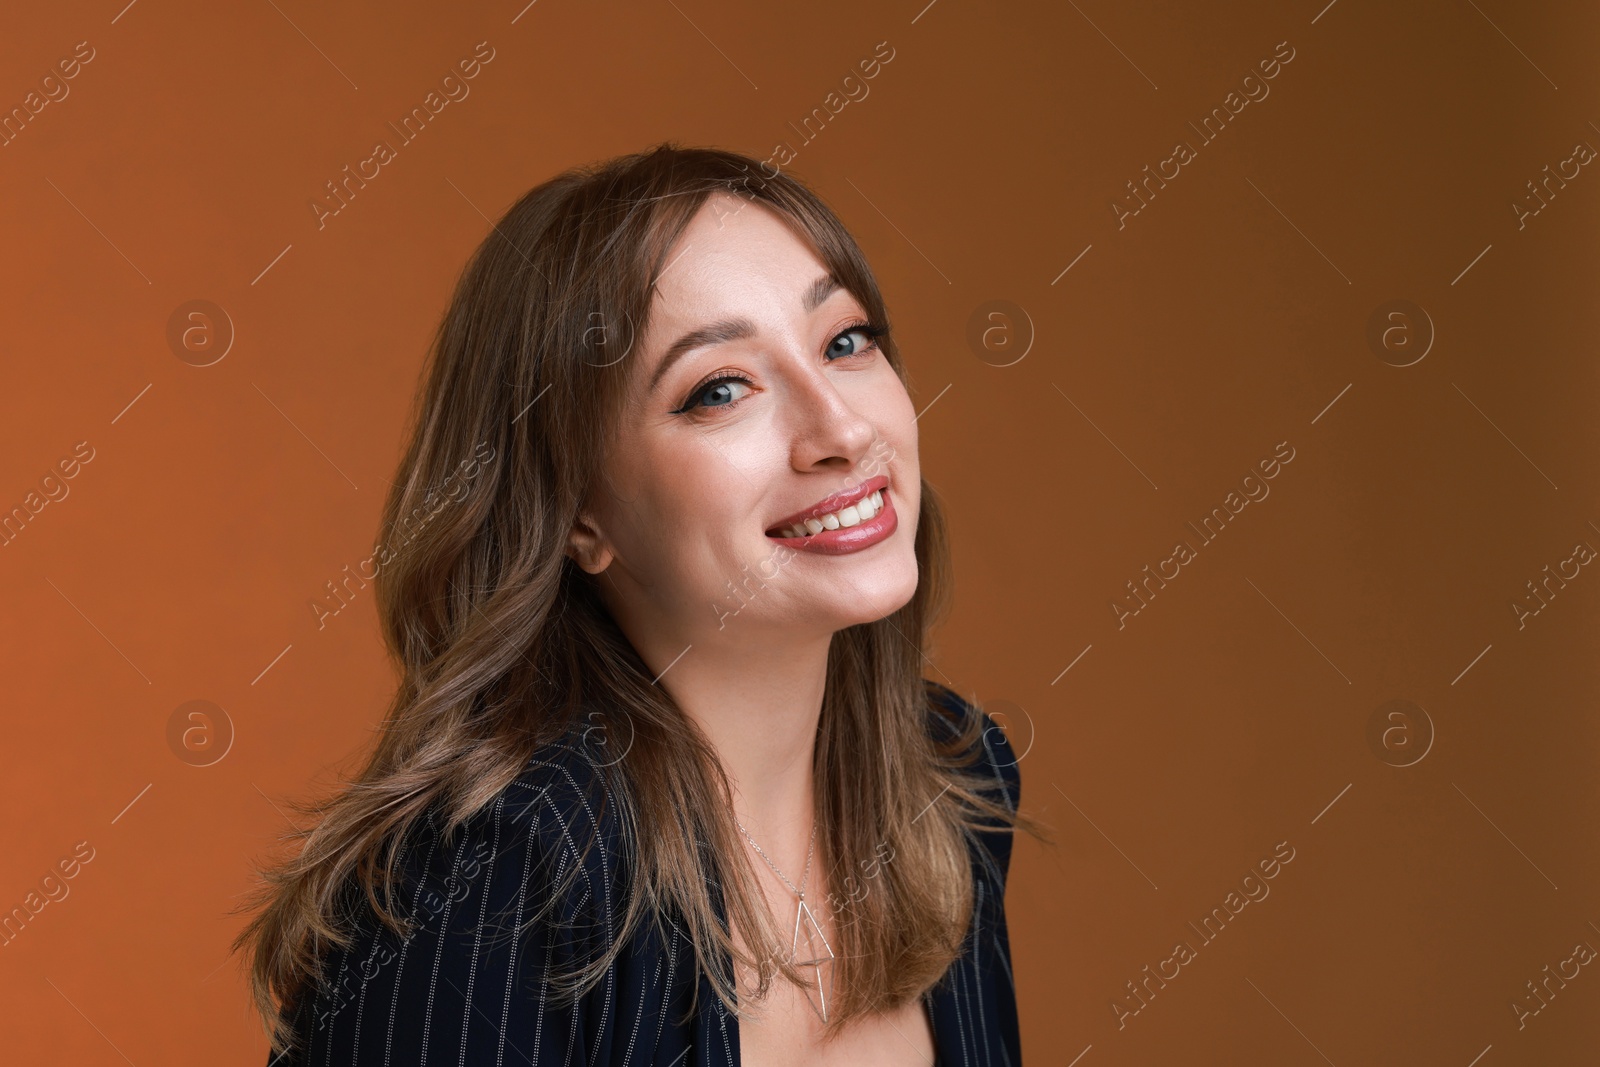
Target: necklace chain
[
  {"x": 802, "y": 911},
  {"x": 800, "y": 892}
]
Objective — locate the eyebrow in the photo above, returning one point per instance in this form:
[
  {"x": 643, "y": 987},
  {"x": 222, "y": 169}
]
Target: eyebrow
[{"x": 739, "y": 329}]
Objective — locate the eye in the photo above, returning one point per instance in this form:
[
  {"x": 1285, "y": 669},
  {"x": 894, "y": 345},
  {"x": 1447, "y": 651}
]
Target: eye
[
  {"x": 719, "y": 392},
  {"x": 856, "y": 340}
]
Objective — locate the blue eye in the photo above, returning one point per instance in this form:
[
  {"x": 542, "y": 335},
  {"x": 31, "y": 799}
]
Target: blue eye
[
  {"x": 866, "y": 332},
  {"x": 716, "y": 393},
  {"x": 859, "y": 339}
]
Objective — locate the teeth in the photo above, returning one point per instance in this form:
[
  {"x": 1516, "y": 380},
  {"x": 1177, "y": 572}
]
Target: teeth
[{"x": 861, "y": 511}]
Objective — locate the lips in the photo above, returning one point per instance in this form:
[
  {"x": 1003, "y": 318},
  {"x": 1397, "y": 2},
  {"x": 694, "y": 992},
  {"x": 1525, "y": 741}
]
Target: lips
[
  {"x": 868, "y": 509},
  {"x": 836, "y": 502}
]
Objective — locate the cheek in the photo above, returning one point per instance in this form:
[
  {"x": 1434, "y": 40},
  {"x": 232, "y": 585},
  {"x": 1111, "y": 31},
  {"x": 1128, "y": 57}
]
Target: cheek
[
  {"x": 895, "y": 416},
  {"x": 670, "y": 513},
  {"x": 896, "y": 453},
  {"x": 877, "y": 392}
]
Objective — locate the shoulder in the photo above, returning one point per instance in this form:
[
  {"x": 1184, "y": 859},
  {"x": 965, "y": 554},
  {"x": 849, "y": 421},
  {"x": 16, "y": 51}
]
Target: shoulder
[
  {"x": 544, "y": 854},
  {"x": 980, "y": 747},
  {"x": 559, "y": 821},
  {"x": 525, "y": 891},
  {"x": 565, "y": 796},
  {"x": 991, "y": 754}
]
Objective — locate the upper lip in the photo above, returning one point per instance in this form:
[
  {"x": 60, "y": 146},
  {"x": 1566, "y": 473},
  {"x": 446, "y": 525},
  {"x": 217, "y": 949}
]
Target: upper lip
[{"x": 842, "y": 499}]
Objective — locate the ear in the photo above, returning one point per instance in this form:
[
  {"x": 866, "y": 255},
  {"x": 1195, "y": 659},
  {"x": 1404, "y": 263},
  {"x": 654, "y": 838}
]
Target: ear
[{"x": 587, "y": 546}]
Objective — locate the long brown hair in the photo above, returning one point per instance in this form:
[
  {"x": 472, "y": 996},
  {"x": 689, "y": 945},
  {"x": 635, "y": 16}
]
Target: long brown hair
[{"x": 503, "y": 642}]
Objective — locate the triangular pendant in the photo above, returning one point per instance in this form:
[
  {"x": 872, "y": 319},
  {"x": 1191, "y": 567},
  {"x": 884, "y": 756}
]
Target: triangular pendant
[{"x": 810, "y": 948}]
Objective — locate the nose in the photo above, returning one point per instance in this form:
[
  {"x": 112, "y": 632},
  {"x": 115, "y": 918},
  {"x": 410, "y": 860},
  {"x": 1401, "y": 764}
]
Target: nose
[{"x": 826, "y": 429}]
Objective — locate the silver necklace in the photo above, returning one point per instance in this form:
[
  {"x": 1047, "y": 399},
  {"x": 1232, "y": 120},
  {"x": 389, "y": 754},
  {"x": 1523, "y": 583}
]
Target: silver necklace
[{"x": 802, "y": 916}]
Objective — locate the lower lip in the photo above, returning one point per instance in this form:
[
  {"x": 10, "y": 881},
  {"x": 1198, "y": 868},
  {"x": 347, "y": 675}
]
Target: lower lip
[{"x": 848, "y": 539}]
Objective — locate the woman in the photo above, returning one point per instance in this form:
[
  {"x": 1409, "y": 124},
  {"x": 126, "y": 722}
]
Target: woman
[{"x": 662, "y": 782}]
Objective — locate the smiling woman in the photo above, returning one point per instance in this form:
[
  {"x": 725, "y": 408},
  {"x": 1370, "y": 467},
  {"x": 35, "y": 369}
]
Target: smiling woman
[{"x": 600, "y": 822}]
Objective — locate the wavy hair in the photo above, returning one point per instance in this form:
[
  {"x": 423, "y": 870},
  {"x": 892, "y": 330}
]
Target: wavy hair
[{"x": 503, "y": 643}]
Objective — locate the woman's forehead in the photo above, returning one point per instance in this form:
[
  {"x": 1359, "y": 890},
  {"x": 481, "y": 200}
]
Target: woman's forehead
[
  {"x": 753, "y": 264},
  {"x": 733, "y": 234}
]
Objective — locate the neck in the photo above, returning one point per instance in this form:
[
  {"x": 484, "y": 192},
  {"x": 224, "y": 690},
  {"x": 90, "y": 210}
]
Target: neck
[{"x": 758, "y": 702}]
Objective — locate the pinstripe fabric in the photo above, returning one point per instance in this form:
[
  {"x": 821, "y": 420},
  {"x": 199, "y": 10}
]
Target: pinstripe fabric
[{"x": 461, "y": 989}]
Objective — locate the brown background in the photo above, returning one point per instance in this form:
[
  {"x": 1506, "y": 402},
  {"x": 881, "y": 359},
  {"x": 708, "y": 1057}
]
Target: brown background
[{"x": 1230, "y": 314}]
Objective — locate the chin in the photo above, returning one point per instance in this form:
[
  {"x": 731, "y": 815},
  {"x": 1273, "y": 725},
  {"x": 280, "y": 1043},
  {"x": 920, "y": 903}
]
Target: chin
[{"x": 883, "y": 592}]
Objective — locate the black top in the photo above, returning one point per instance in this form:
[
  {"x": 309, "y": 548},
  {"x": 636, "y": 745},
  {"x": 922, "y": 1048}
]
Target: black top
[{"x": 459, "y": 990}]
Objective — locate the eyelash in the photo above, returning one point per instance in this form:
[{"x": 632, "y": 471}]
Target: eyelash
[{"x": 874, "y": 331}]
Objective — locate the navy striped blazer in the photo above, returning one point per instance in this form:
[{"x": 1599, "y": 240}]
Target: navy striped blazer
[{"x": 460, "y": 989}]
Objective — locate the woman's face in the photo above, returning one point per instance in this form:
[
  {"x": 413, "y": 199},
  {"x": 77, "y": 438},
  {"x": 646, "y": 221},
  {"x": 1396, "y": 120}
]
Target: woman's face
[{"x": 756, "y": 400}]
